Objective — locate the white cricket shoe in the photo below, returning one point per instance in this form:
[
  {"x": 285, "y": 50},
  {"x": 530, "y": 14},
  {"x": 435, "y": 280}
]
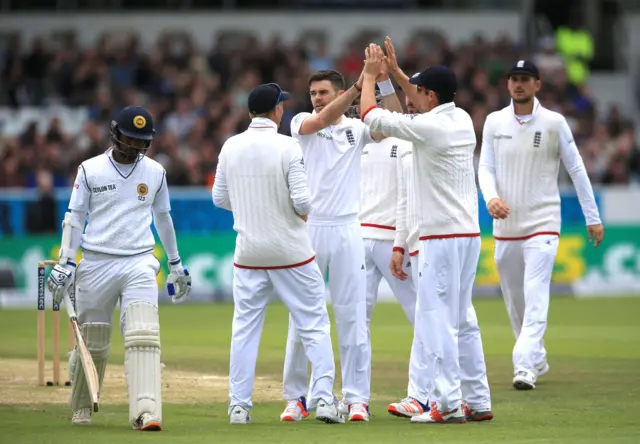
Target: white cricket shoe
[
  {"x": 436, "y": 416},
  {"x": 524, "y": 379},
  {"x": 239, "y": 415},
  {"x": 542, "y": 369},
  {"x": 147, "y": 423},
  {"x": 407, "y": 408},
  {"x": 329, "y": 412},
  {"x": 81, "y": 416},
  {"x": 358, "y": 412},
  {"x": 295, "y": 410}
]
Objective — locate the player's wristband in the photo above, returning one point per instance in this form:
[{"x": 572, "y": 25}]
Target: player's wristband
[
  {"x": 176, "y": 262},
  {"x": 386, "y": 88}
]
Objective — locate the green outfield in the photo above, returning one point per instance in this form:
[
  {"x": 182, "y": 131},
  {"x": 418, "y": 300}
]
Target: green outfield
[{"x": 591, "y": 393}]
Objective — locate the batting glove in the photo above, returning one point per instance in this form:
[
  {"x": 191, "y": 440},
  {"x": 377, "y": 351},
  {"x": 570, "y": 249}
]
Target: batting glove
[
  {"x": 60, "y": 280},
  {"x": 178, "y": 283}
]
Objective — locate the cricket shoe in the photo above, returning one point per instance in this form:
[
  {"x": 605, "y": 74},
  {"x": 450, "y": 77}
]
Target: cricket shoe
[
  {"x": 358, "y": 412},
  {"x": 524, "y": 379},
  {"x": 476, "y": 415},
  {"x": 542, "y": 369},
  {"x": 147, "y": 423},
  {"x": 239, "y": 415},
  {"x": 295, "y": 410},
  {"x": 435, "y": 416},
  {"x": 407, "y": 408},
  {"x": 328, "y": 412},
  {"x": 81, "y": 416}
]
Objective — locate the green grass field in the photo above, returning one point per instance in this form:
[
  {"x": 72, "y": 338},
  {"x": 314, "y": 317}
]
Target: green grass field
[{"x": 590, "y": 395}]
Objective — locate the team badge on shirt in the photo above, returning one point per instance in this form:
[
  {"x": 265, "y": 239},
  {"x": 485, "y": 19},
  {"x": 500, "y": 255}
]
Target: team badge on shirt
[
  {"x": 394, "y": 151},
  {"x": 139, "y": 122},
  {"x": 350, "y": 138},
  {"x": 143, "y": 189},
  {"x": 536, "y": 139}
]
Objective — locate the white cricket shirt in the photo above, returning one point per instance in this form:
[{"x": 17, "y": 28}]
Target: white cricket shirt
[
  {"x": 520, "y": 162},
  {"x": 379, "y": 191},
  {"x": 332, "y": 160},
  {"x": 443, "y": 144},
  {"x": 261, "y": 178},
  {"x": 120, "y": 201},
  {"x": 407, "y": 224}
]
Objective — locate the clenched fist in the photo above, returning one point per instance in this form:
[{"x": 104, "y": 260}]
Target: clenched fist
[{"x": 498, "y": 209}]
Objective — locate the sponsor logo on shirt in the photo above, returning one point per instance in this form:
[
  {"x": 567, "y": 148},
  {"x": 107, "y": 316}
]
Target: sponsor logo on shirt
[
  {"x": 324, "y": 136},
  {"x": 502, "y": 136},
  {"x": 103, "y": 188}
]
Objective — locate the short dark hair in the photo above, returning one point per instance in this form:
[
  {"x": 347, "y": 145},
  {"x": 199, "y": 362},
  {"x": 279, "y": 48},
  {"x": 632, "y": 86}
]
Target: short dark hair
[{"x": 333, "y": 76}]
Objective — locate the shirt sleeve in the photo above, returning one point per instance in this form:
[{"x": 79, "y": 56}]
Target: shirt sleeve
[
  {"x": 167, "y": 234},
  {"x": 400, "y": 241},
  {"x": 81, "y": 193},
  {"x": 403, "y": 126},
  {"x": 297, "y": 182},
  {"x": 487, "y": 165},
  {"x": 220, "y": 192},
  {"x": 162, "y": 202},
  {"x": 296, "y": 123},
  {"x": 575, "y": 167}
]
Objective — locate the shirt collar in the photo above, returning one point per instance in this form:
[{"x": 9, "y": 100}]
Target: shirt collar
[
  {"x": 443, "y": 107},
  {"x": 262, "y": 123},
  {"x": 536, "y": 106}
]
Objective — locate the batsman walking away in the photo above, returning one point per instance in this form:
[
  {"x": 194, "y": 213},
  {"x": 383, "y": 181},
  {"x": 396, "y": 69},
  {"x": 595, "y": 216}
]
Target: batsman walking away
[{"x": 119, "y": 194}]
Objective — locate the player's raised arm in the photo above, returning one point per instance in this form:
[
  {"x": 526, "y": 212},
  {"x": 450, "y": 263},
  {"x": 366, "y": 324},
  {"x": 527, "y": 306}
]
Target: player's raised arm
[
  {"x": 403, "y": 80},
  {"x": 179, "y": 281}
]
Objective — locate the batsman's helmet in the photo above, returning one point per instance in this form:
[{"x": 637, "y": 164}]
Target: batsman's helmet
[{"x": 136, "y": 123}]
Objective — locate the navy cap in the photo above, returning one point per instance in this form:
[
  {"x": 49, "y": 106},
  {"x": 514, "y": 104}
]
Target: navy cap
[
  {"x": 135, "y": 122},
  {"x": 266, "y": 97},
  {"x": 524, "y": 67},
  {"x": 438, "y": 79}
]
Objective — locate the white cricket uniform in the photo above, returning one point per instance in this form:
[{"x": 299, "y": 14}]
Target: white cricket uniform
[
  {"x": 118, "y": 265},
  {"x": 447, "y": 352},
  {"x": 379, "y": 201},
  {"x": 117, "y": 245},
  {"x": 519, "y": 162},
  {"x": 332, "y": 159},
  {"x": 261, "y": 178}
]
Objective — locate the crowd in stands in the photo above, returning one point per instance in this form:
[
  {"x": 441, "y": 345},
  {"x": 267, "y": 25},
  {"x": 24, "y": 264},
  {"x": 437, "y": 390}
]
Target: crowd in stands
[{"x": 198, "y": 97}]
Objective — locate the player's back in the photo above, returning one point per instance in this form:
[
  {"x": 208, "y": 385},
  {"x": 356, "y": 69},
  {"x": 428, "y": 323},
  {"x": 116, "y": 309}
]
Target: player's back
[
  {"x": 332, "y": 160},
  {"x": 270, "y": 233},
  {"x": 445, "y": 174},
  {"x": 120, "y": 199}
]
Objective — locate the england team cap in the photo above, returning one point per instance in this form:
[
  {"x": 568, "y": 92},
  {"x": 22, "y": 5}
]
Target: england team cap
[
  {"x": 439, "y": 79},
  {"x": 524, "y": 67},
  {"x": 266, "y": 97}
]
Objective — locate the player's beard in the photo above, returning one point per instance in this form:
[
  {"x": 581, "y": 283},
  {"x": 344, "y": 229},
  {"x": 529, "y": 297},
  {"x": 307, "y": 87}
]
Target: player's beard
[{"x": 523, "y": 100}]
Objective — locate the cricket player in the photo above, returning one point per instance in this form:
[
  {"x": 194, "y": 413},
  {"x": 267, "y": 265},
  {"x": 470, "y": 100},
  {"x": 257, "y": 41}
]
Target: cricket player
[
  {"x": 332, "y": 145},
  {"x": 261, "y": 178},
  {"x": 447, "y": 338},
  {"x": 121, "y": 192},
  {"x": 522, "y": 146}
]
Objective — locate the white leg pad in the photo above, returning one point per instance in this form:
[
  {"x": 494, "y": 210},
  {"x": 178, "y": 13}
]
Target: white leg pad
[
  {"x": 97, "y": 338},
  {"x": 142, "y": 360}
]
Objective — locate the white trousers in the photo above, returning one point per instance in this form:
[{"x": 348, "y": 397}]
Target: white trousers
[
  {"x": 102, "y": 280},
  {"x": 415, "y": 273},
  {"x": 377, "y": 255},
  {"x": 447, "y": 354},
  {"x": 302, "y": 290},
  {"x": 524, "y": 268},
  {"x": 339, "y": 249}
]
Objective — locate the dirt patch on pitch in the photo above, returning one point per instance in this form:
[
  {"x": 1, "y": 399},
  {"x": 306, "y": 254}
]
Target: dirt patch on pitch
[{"x": 18, "y": 385}]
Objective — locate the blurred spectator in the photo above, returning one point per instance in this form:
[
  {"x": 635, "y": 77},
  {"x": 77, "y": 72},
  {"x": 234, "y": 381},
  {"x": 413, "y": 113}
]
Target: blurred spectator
[{"x": 198, "y": 97}]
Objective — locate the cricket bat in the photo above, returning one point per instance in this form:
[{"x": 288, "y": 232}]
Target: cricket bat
[{"x": 90, "y": 372}]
